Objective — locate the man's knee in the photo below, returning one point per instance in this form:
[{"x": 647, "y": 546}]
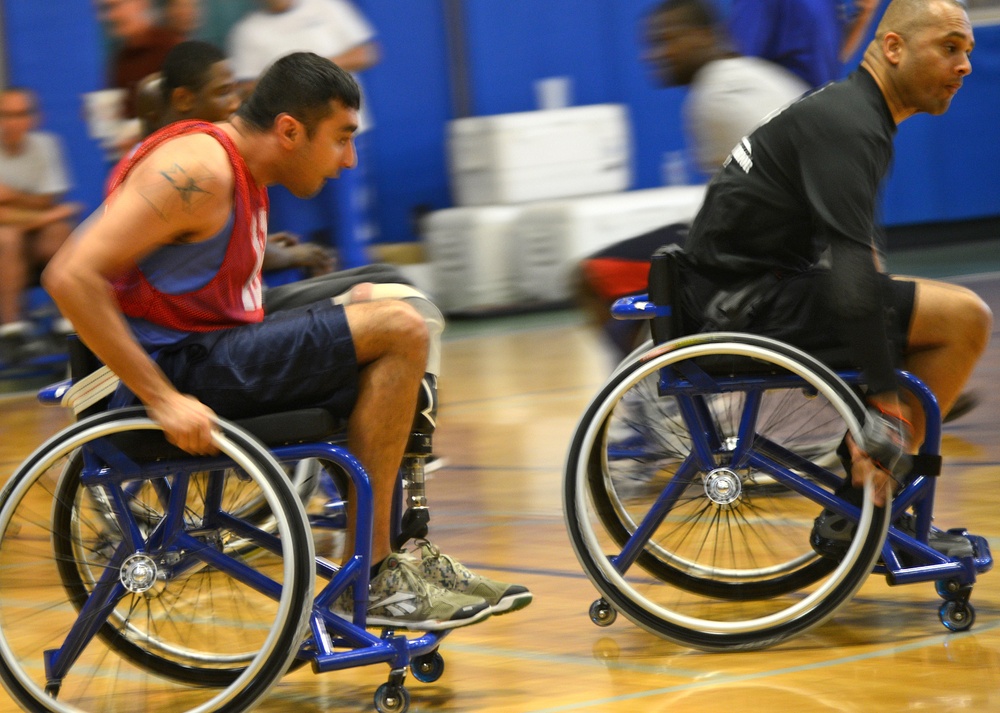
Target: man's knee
[
  {"x": 951, "y": 313},
  {"x": 428, "y": 311},
  {"x": 50, "y": 239},
  {"x": 978, "y": 318},
  {"x": 11, "y": 238},
  {"x": 400, "y": 325}
]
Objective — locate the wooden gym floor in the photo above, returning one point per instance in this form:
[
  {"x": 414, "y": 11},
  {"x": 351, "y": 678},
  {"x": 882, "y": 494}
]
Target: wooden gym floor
[{"x": 512, "y": 391}]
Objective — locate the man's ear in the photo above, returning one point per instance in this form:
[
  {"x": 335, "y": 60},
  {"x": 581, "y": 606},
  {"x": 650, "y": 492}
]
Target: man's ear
[
  {"x": 182, "y": 100},
  {"x": 892, "y": 47},
  {"x": 289, "y": 129}
]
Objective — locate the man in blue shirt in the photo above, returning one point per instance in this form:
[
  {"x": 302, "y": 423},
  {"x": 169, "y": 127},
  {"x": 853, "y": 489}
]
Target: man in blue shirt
[{"x": 812, "y": 38}]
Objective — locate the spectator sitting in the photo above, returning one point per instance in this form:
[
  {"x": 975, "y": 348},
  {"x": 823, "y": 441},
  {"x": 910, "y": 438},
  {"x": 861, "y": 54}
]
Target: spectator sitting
[{"x": 34, "y": 219}]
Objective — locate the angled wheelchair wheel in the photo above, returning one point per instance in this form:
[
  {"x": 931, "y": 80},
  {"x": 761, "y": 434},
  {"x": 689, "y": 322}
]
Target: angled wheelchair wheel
[
  {"x": 692, "y": 484},
  {"x": 131, "y": 578}
]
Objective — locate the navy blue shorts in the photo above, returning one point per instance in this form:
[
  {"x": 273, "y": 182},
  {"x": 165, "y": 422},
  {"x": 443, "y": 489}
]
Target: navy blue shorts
[{"x": 294, "y": 359}]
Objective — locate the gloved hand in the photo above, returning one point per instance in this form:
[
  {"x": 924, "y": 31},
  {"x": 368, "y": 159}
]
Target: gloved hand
[{"x": 885, "y": 438}]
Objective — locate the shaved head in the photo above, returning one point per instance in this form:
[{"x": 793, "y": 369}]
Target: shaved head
[
  {"x": 906, "y": 17},
  {"x": 921, "y": 55}
]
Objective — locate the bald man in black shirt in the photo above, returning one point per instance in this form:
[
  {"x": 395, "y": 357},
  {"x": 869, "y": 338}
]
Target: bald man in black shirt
[{"x": 794, "y": 208}]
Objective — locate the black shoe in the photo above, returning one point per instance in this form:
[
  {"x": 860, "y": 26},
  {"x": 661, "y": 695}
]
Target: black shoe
[
  {"x": 832, "y": 534},
  {"x": 965, "y": 402},
  {"x": 947, "y": 543},
  {"x": 16, "y": 348}
]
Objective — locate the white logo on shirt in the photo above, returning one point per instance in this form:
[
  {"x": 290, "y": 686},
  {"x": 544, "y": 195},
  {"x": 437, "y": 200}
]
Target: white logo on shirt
[{"x": 743, "y": 155}]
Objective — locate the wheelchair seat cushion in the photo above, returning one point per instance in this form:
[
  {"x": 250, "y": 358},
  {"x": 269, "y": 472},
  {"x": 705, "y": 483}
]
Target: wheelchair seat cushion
[{"x": 301, "y": 426}]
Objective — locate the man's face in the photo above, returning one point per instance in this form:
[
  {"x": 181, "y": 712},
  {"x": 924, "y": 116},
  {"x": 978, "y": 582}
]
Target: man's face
[
  {"x": 277, "y": 6},
  {"x": 934, "y": 61},
  {"x": 330, "y": 150},
  {"x": 674, "y": 47},
  {"x": 125, "y": 18},
  {"x": 183, "y": 15},
  {"x": 17, "y": 118},
  {"x": 217, "y": 100}
]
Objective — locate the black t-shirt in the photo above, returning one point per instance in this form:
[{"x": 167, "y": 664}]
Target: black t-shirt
[{"x": 805, "y": 181}]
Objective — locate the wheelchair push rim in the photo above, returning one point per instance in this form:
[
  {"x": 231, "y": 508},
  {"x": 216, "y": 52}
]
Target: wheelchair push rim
[{"x": 831, "y": 582}]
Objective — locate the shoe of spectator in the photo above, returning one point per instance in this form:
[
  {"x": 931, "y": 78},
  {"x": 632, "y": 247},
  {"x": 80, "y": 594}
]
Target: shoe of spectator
[
  {"x": 62, "y": 326},
  {"x": 448, "y": 573},
  {"x": 400, "y": 597},
  {"x": 14, "y": 342}
]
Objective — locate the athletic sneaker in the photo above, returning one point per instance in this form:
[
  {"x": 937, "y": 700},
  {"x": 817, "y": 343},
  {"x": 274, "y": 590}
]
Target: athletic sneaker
[
  {"x": 832, "y": 534},
  {"x": 399, "y": 597},
  {"x": 447, "y": 572}
]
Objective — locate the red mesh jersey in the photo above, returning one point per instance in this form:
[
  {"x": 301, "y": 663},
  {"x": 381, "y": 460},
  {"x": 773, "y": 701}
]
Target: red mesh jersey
[{"x": 233, "y": 296}]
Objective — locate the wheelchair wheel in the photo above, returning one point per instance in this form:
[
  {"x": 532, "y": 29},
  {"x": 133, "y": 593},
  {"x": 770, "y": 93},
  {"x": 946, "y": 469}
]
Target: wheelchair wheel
[
  {"x": 692, "y": 484},
  {"x": 129, "y": 583}
]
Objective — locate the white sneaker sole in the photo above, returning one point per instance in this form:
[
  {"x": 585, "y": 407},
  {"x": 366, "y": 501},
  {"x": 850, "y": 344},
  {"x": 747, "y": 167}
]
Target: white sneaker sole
[
  {"x": 429, "y": 624},
  {"x": 512, "y": 603}
]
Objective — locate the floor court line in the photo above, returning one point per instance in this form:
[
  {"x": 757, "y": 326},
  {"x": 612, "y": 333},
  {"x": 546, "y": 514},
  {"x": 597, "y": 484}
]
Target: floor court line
[{"x": 759, "y": 675}]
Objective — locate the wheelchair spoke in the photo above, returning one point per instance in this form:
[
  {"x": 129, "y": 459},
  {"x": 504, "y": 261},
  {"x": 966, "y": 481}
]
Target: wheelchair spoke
[{"x": 710, "y": 480}]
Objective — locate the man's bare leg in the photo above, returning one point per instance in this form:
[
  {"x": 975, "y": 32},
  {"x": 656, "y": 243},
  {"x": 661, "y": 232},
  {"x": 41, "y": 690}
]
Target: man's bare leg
[
  {"x": 13, "y": 272},
  {"x": 391, "y": 341},
  {"x": 949, "y": 331},
  {"x": 49, "y": 237}
]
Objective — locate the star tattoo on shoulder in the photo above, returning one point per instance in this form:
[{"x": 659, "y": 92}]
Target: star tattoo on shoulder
[{"x": 180, "y": 184}]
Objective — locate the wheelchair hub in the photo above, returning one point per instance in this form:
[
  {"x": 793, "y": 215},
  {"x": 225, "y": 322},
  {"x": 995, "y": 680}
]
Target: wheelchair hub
[
  {"x": 723, "y": 486},
  {"x": 138, "y": 573}
]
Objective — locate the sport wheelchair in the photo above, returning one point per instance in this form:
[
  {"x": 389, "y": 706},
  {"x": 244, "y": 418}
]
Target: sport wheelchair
[
  {"x": 134, "y": 576},
  {"x": 695, "y": 475}
]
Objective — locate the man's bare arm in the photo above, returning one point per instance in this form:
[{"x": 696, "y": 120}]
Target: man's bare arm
[
  {"x": 358, "y": 58},
  {"x": 151, "y": 209},
  {"x": 30, "y": 201}
]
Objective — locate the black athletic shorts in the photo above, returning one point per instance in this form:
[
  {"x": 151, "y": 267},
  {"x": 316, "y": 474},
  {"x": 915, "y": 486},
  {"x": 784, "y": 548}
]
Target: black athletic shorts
[{"x": 796, "y": 310}]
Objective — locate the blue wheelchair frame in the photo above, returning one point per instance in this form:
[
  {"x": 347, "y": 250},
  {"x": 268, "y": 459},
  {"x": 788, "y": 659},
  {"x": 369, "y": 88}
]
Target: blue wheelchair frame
[
  {"x": 954, "y": 577},
  {"x": 334, "y": 643}
]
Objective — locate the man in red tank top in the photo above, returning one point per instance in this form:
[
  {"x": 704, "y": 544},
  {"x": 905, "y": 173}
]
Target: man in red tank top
[{"x": 171, "y": 263}]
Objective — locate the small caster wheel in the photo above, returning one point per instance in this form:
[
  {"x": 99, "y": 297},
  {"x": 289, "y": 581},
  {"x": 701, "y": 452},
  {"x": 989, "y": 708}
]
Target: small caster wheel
[
  {"x": 392, "y": 699},
  {"x": 602, "y": 614},
  {"x": 427, "y": 668},
  {"x": 950, "y": 589},
  {"x": 956, "y": 615}
]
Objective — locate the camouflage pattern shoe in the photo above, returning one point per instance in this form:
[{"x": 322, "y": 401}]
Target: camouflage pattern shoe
[
  {"x": 446, "y": 572},
  {"x": 400, "y": 598}
]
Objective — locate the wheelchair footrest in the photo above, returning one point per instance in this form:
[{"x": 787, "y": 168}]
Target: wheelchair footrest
[{"x": 983, "y": 561}]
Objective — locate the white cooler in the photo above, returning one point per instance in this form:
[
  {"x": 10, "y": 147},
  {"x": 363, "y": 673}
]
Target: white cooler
[
  {"x": 471, "y": 257},
  {"x": 538, "y": 155},
  {"x": 553, "y": 236}
]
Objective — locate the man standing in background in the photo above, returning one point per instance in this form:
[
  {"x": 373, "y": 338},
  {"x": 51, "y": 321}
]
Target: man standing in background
[
  {"x": 336, "y": 30},
  {"x": 812, "y": 38},
  {"x": 143, "y": 45}
]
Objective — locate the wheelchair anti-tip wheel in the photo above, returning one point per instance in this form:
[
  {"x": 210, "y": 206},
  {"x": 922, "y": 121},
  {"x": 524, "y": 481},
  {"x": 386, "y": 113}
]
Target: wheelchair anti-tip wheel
[
  {"x": 692, "y": 484},
  {"x": 132, "y": 578}
]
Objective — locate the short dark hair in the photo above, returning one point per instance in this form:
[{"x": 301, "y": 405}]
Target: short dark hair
[
  {"x": 301, "y": 84},
  {"x": 699, "y": 13},
  {"x": 187, "y": 65}
]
